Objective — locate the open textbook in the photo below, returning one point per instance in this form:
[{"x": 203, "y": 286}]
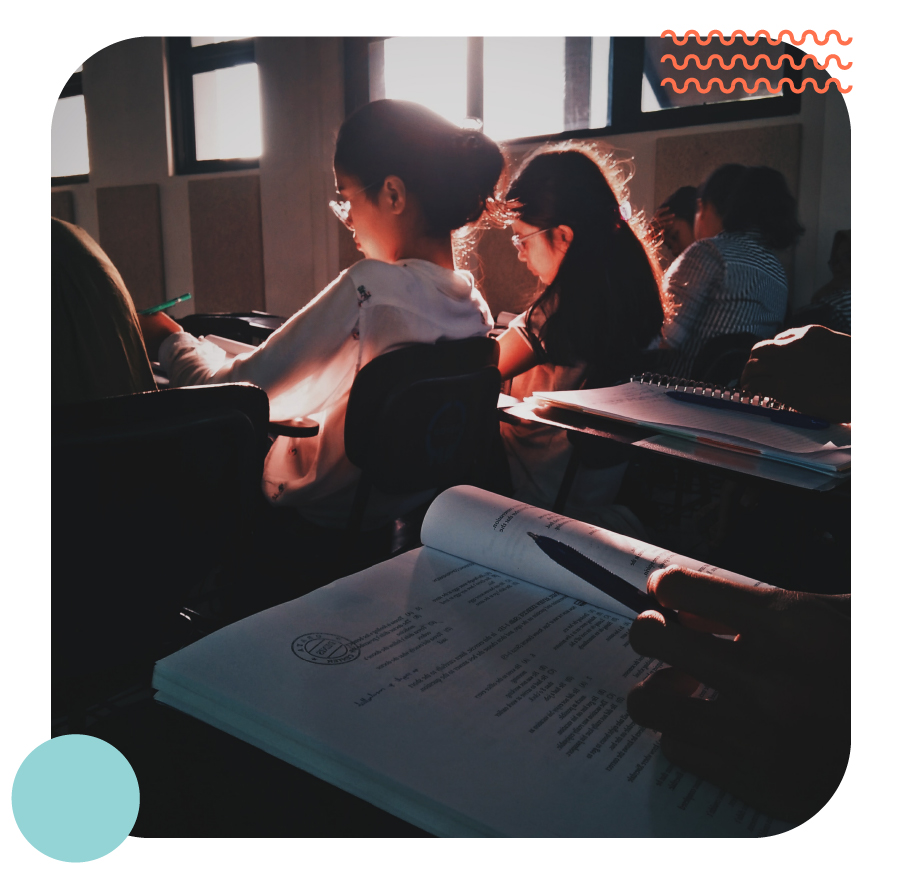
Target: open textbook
[{"x": 471, "y": 687}]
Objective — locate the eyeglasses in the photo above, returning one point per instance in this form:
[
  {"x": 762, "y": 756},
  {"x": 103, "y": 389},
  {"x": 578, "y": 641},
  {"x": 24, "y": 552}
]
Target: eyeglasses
[
  {"x": 342, "y": 208},
  {"x": 519, "y": 239}
]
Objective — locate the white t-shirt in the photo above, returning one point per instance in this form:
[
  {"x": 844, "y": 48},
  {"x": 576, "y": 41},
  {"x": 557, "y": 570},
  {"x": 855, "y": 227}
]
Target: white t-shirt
[{"x": 308, "y": 365}]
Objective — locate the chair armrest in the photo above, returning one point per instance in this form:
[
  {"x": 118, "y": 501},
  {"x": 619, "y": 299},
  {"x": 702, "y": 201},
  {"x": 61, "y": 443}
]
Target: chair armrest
[{"x": 298, "y": 427}]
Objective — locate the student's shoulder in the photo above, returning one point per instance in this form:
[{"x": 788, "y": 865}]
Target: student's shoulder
[
  {"x": 375, "y": 270},
  {"x": 699, "y": 258},
  {"x": 748, "y": 249},
  {"x": 702, "y": 250},
  {"x": 369, "y": 277}
]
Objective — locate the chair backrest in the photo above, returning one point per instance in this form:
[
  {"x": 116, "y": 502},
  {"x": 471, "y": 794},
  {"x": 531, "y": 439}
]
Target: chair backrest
[
  {"x": 151, "y": 492},
  {"x": 422, "y": 417},
  {"x": 722, "y": 358}
]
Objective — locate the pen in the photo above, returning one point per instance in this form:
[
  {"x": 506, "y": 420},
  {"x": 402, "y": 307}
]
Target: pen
[
  {"x": 167, "y": 304},
  {"x": 781, "y": 416},
  {"x": 599, "y": 576}
]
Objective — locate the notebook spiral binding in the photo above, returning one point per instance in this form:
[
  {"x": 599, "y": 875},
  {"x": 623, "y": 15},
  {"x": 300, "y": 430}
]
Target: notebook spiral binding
[{"x": 709, "y": 390}]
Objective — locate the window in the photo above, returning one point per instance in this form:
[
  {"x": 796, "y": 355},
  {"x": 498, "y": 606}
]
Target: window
[
  {"x": 546, "y": 88},
  {"x": 523, "y": 85},
  {"x": 517, "y": 87},
  {"x": 69, "y": 136},
  {"x": 215, "y": 103},
  {"x": 669, "y": 67},
  {"x": 431, "y": 71}
]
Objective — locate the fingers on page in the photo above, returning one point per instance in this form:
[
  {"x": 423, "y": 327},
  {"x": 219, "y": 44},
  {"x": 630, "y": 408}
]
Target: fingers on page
[
  {"x": 712, "y": 660},
  {"x": 664, "y": 702},
  {"x": 739, "y": 607}
]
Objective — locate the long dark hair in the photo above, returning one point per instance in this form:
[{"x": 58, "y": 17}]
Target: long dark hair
[
  {"x": 452, "y": 171},
  {"x": 754, "y": 199},
  {"x": 604, "y": 304}
]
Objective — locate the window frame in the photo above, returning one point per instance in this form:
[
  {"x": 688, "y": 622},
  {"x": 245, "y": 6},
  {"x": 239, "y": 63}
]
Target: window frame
[
  {"x": 184, "y": 61},
  {"x": 71, "y": 89},
  {"x": 625, "y": 116}
]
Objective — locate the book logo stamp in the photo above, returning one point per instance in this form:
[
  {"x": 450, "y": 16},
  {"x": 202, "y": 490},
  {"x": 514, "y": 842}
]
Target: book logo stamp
[{"x": 322, "y": 649}]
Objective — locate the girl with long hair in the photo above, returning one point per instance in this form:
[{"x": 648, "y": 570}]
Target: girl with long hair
[{"x": 599, "y": 309}]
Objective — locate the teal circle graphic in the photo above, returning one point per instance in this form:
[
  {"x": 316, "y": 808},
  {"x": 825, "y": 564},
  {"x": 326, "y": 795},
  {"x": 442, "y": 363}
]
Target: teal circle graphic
[{"x": 75, "y": 798}]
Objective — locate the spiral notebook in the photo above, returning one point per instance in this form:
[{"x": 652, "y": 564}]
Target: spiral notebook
[{"x": 737, "y": 423}]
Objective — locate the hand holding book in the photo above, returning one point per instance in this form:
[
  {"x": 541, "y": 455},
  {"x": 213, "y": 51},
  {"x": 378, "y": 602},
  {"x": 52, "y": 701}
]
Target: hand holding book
[{"x": 778, "y": 733}]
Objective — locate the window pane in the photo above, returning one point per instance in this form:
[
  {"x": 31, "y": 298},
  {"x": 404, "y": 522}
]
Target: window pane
[
  {"x": 601, "y": 58},
  {"x": 227, "y": 113},
  {"x": 429, "y": 70},
  {"x": 523, "y": 86},
  {"x": 205, "y": 41},
  {"x": 661, "y": 97},
  {"x": 69, "y": 138}
]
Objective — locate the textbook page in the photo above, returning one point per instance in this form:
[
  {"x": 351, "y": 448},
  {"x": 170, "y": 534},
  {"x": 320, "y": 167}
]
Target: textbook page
[
  {"x": 492, "y": 530},
  {"x": 649, "y": 405},
  {"x": 457, "y": 697}
]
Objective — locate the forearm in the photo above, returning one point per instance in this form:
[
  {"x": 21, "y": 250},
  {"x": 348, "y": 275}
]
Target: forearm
[
  {"x": 190, "y": 361},
  {"x": 516, "y": 356},
  {"x": 296, "y": 351}
]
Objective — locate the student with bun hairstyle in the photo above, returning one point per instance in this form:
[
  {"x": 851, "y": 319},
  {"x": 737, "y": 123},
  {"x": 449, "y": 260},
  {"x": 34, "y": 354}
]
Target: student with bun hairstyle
[
  {"x": 730, "y": 280},
  {"x": 406, "y": 179},
  {"x": 600, "y": 307}
]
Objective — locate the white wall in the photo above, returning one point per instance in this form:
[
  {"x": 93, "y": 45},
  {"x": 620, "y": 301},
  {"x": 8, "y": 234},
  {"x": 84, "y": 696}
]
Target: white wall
[
  {"x": 302, "y": 92},
  {"x": 303, "y": 106}
]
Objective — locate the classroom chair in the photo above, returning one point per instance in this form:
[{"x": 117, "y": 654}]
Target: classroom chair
[
  {"x": 421, "y": 419},
  {"x": 154, "y": 499}
]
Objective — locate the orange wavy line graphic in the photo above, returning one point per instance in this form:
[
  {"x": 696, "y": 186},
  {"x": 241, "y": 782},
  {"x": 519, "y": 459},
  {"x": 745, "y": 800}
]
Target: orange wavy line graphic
[
  {"x": 728, "y": 41},
  {"x": 744, "y": 84},
  {"x": 775, "y": 66}
]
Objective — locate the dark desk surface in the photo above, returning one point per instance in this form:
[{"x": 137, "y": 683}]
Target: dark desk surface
[
  {"x": 647, "y": 439},
  {"x": 197, "y": 781}
]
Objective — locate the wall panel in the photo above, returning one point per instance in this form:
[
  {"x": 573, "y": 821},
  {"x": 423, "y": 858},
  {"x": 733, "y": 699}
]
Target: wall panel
[
  {"x": 131, "y": 234},
  {"x": 62, "y": 205},
  {"x": 226, "y": 243}
]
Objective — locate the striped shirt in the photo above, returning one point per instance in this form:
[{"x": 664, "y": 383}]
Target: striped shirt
[
  {"x": 727, "y": 284},
  {"x": 840, "y": 305}
]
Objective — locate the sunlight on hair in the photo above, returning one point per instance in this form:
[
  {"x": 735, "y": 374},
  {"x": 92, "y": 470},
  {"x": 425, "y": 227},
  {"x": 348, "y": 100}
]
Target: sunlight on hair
[
  {"x": 227, "y": 113},
  {"x": 524, "y": 86},
  {"x": 431, "y": 71},
  {"x": 69, "y": 138}
]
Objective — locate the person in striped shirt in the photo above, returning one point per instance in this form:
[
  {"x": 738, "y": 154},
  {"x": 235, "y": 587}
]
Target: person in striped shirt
[{"x": 730, "y": 280}]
